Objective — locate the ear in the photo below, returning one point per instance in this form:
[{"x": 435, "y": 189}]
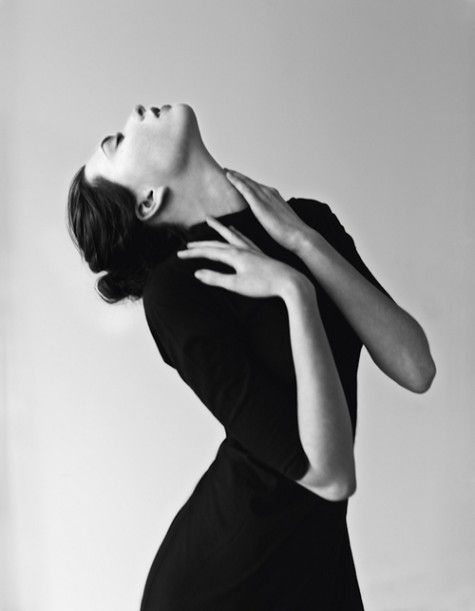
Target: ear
[{"x": 149, "y": 206}]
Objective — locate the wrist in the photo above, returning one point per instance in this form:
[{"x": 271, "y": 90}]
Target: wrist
[
  {"x": 295, "y": 287},
  {"x": 309, "y": 240}
]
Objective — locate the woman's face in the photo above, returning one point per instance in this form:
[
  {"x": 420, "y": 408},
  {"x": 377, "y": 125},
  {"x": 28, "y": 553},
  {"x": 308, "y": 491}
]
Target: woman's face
[{"x": 151, "y": 149}]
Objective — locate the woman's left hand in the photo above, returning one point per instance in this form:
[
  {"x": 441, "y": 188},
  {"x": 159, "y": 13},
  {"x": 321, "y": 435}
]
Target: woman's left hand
[{"x": 271, "y": 210}]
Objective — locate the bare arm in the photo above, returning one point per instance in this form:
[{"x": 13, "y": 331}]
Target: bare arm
[
  {"x": 323, "y": 417},
  {"x": 394, "y": 339}
]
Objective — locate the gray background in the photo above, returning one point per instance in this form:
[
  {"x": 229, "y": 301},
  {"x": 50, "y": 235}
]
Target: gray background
[{"x": 368, "y": 106}]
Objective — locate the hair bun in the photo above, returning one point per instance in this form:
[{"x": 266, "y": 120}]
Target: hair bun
[{"x": 113, "y": 286}]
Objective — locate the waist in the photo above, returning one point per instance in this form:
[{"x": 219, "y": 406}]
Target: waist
[{"x": 262, "y": 481}]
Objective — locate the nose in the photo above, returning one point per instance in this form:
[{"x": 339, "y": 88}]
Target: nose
[{"x": 140, "y": 110}]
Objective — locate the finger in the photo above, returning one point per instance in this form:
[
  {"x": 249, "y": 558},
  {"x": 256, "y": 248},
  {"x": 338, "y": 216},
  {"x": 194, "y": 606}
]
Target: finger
[
  {"x": 249, "y": 189},
  {"x": 242, "y": 178},
  {"x": 258, "y": 195},
  {"x": 208, "y": 276},
  {"x": 248, "y": 241},
  {"x": 224, "y": 231},
  {"x": 244, "y": 241},
  {"x": 227, "y": 255},
  {"x": 252, "y": 183},
  {"x": 217, "y": 243}
]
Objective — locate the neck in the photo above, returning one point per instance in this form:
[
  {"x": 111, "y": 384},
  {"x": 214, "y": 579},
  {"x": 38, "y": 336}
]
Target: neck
[{"x": 202, "y": 190}]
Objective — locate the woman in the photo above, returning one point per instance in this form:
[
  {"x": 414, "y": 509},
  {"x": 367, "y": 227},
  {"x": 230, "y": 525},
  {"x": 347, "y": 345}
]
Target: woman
[{"x": 268, "y": 337}]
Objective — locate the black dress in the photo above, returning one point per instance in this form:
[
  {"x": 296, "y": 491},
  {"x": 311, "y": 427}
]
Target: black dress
[{"x": 249, "y": 538}]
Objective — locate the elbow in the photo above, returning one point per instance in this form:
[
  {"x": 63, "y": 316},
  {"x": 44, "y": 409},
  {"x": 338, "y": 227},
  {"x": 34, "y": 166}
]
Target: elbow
[
  {"x": 336, "y": 488},
  {"x": 418, "y": 363},
  {"x": 345, "y": 490},
  {"x": 424, "y": 377},
  {"x": 339, "y": 490}
]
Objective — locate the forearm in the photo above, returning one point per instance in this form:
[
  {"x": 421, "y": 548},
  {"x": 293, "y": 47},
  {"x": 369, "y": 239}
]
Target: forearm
[
  {"x": 394, "y": 339},
  {"x": 323, "y": 417}
]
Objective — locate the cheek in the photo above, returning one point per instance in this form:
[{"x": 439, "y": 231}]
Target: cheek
[
  {"x": 151, "y": 155},
  {"x": 146, "y": 149},
  {"x": 173, "y": 150},
  {"x": 138, "y": 166},
  {"x": 134, "y": 155},
  {"x": 126, "y": 168}
]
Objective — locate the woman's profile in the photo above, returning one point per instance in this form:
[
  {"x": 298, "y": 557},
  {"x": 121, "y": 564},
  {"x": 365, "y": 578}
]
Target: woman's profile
[{"x": 268, "y": 337}]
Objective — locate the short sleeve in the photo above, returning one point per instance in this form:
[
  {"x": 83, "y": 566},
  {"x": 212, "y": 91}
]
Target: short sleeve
[
  {"x": 321, "y": 217},
  {"x": 198, "y": 334}
]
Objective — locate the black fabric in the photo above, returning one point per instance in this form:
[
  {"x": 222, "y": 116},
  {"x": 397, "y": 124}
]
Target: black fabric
[
  {"x": 206, "y": 343},
  {"x": 338, "y": 237},
  {"x": 249, "y": 537}
]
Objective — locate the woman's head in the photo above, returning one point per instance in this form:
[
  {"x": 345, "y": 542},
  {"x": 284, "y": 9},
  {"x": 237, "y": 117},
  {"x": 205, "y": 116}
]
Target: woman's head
[
  {"x": 133, "y": 201},
  {"x": 150, "y": 152},
  {"x": 114, "y": 199}
]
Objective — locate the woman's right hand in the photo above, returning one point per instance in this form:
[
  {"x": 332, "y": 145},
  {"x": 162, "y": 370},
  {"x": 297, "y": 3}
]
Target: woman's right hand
[{"x": 257, "y": 274}]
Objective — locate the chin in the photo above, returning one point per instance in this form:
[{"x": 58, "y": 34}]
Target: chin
[
  {"x": 185, "y": 109},
  {"x": 184, "y": 106},
  {"x": 189, "y": 120}
]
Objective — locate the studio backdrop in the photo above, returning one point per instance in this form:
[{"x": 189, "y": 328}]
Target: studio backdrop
[{"x": 367, "y": 106}]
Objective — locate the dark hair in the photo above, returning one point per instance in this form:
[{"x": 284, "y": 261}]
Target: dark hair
[{"x": 105, "y": 229}]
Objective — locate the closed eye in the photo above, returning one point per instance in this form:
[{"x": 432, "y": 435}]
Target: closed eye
[{"x": 118, "y": 138}]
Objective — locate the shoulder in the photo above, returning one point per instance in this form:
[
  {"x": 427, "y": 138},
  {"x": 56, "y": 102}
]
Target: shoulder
[
  {"x": 315, "y": 214},
  {"x": 172, "y": 283},
  {"x": 166, "y": 281},
  {"x": 307, "y": 206}
]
